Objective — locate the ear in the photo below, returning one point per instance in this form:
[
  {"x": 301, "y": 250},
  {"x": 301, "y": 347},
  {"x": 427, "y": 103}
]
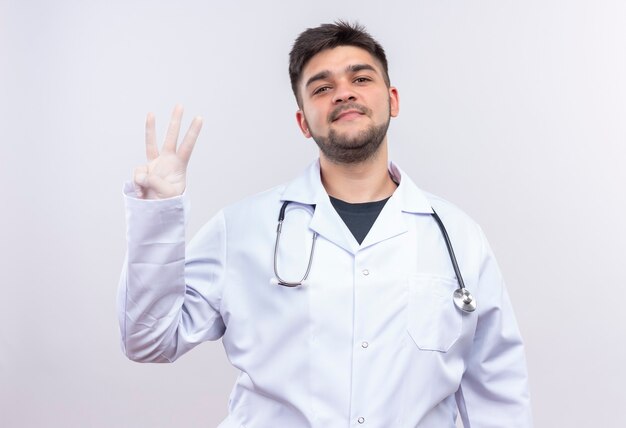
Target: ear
[
  {"x": 394, "y": 101},
  {"x": 302, "y": 124}
]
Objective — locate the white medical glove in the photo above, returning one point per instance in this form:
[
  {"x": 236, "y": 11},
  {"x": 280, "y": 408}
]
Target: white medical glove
[{"x": 164, "y": 176}]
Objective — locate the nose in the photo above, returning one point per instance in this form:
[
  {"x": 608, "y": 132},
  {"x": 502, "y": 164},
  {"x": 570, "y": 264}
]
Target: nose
[{"x": 343, "y": 94}]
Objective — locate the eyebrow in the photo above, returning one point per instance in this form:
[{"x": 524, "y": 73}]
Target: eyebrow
[
  {"x": 360, "y": 67},
  {"x": 354, "y": 68}
]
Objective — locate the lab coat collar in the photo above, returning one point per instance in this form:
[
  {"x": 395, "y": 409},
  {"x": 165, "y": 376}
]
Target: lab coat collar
[
  {"x": 308, "y": 189},
  {"x": 411, "y": 198}
]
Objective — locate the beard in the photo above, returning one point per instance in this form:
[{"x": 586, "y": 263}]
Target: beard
[{"x": 342, "y": 149}]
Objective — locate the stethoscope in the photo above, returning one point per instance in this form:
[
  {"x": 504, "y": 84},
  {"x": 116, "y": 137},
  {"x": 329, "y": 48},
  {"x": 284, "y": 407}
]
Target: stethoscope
[{"x": 461, "y": 297}]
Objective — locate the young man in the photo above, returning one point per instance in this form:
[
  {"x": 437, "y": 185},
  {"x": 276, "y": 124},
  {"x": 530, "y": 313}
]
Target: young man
[{"x": 348, "y": 316}]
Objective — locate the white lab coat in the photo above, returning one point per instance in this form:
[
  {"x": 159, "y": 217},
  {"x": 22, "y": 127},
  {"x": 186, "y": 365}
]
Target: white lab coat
[{"x": 372, "y": 339}]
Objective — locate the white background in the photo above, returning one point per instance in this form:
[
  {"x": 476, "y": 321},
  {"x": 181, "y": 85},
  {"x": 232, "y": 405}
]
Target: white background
[{"x": 515, "y": 111}]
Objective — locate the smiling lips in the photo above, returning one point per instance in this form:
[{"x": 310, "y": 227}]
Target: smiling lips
[
  {"x": 350, "y": 114},
  {"x": 347, "y": 112}
]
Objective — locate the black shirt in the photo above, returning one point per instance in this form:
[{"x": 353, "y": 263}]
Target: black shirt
[{"x": 358, "y": 217}]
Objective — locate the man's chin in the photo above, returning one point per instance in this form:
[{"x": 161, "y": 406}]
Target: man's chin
[{"x": 350, "y": 136}]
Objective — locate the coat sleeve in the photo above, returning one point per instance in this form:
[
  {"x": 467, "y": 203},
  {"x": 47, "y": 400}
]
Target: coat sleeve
[
  {"x": 169, "y": 297},
  {"x": 494, "y": 388}
]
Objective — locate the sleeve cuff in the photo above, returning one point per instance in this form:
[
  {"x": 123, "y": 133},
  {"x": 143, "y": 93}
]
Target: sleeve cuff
[{"x": 161, "y": 220}]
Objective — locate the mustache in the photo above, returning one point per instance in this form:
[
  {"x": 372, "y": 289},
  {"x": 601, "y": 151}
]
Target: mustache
[{"x": 352, "y": 106}]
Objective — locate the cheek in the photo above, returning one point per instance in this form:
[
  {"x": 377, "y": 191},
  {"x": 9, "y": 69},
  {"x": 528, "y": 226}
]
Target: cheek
[
  {"x": 315, "y": 119},
  {"x": 386, "y": 108}
]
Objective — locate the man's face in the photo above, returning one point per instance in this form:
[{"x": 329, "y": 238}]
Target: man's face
[{"x": 345, "y": 104}]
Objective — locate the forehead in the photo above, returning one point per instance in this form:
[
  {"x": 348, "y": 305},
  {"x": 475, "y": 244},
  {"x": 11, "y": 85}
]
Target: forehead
[{"x": 336, "y": 60}]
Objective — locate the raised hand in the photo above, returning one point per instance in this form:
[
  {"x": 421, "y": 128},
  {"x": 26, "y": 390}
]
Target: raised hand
[{"x": 164, "y": 176}]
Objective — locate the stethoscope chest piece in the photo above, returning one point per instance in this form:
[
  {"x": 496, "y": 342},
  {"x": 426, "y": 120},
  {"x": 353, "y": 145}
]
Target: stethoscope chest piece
[{"x": 464, "y": 300}]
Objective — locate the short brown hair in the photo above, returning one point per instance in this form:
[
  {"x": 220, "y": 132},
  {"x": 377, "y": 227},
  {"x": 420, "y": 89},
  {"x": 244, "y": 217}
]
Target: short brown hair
[{"x": 327, "y": 36}]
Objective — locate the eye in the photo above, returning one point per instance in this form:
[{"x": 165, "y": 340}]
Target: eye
[
  {"x": 321, "y": 89},
  {"x": 362, "y": 79}
]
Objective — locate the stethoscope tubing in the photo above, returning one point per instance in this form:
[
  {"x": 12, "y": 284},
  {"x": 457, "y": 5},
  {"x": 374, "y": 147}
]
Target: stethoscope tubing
[
  {"x": 461, "y": 297},
  {"x": 446, "y": 238},
  {"x": 279, "y": 229}
]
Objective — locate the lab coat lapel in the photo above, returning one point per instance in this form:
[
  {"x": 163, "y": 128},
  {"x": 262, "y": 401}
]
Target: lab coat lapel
[
  {"x": 391, "y": 221},
  {"x": 308, "y": 189},
  {"x": 327, "y": 223},
  {"x": 388, "y": 224}
]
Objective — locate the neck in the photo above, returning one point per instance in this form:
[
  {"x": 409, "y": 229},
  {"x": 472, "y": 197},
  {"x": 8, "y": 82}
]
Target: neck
[{"x": 362, "y": 182}]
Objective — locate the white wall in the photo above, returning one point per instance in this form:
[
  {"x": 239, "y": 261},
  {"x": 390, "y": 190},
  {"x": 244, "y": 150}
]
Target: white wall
[{"x": 516, "y": 111}]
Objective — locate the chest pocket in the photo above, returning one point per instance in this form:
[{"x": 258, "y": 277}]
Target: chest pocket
[{"x": 434, "y": 322}]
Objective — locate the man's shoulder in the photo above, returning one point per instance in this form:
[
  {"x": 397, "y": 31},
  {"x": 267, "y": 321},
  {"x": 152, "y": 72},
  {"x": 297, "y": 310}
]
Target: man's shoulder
[
  {"x": 300, "y": 188},
  {"x": 443, "y": 207},
  {"x": 451, "y": 214},
  {"x": 253, "y": 204}
]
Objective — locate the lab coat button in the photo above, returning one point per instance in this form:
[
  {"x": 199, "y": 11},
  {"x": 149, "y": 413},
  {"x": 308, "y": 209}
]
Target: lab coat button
[
  {"x": 365, "y": 272},
  {"x": 364, "y": 345},
  {"x": 361, "y": 420}
]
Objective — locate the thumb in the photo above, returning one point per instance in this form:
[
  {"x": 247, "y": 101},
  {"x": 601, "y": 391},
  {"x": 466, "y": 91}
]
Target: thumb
[{"x": 140, "y": 180}]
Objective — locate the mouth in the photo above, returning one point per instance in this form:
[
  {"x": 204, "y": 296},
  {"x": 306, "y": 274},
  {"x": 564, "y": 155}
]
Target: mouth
[{"x": 347, "y": 113}]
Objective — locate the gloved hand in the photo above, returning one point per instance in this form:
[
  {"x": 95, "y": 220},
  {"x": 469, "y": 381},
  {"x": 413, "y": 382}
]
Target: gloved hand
[{"x": 164, "y": 176}]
